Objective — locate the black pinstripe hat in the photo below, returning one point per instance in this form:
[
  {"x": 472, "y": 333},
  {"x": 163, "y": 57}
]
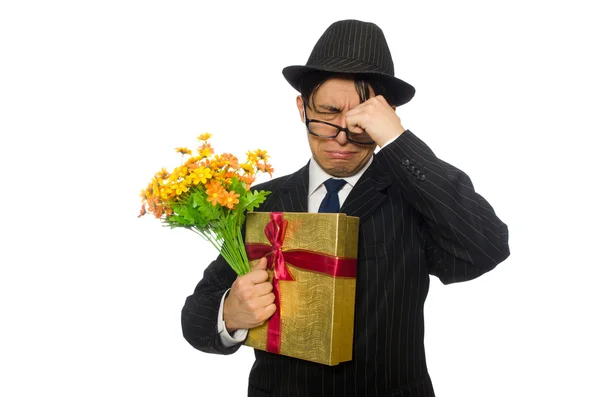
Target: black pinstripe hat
[{"x": 357, "y": 47}]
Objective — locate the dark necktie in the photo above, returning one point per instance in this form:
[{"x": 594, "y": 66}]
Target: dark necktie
[{"x": 331, "y": 202}]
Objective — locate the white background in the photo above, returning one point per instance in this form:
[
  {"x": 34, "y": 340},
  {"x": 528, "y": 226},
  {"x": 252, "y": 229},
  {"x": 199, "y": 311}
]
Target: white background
[{"x": 94, "y": 96}]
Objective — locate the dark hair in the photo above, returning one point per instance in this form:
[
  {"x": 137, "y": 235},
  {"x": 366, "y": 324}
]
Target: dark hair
[{"x": 312, "y": 81}]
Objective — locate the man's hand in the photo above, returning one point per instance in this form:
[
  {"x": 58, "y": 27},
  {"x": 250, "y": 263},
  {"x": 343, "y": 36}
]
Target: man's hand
[
  {"x": 377, "y": 118},
  {"x": 250, "y": 301}
]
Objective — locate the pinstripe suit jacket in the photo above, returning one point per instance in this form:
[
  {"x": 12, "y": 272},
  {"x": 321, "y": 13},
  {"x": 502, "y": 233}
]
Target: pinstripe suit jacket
[{"x": 418, "y": 216}]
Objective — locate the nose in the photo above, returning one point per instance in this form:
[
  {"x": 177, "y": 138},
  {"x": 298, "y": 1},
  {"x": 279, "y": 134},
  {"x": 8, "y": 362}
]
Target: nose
[{"x": 342, "y": 137}]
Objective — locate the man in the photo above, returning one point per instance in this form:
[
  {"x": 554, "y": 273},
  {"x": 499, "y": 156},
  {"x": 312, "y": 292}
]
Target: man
[{"x": 418, "y": 216}]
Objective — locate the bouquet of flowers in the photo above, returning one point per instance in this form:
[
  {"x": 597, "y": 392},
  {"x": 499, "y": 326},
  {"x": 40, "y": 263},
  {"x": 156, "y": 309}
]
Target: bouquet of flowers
[{"x": 209, "y": 194}]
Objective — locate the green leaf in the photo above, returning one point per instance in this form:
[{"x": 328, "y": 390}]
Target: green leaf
[
  {"x": 255, "y": 200},
  {"x": 178, "y": 221},
  {"x": 237, "y": 186},
  {"x": 198, "y": 197}
]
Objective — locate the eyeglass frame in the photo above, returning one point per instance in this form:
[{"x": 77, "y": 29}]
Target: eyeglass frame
[{"x": 339, "y": 129}]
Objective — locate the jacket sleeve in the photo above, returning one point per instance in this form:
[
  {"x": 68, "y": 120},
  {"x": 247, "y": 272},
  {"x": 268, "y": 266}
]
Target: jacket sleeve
[
  {"x": 199, "y": 313},
  {"x": 463, "y": 236}
]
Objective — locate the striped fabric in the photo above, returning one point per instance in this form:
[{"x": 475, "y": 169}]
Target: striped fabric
[
  {"x": 418, "y": 216},
  {"x": 368, "y": 52}
]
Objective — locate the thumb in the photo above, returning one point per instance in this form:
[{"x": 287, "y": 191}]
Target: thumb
[{"x": 261, "y": 265}]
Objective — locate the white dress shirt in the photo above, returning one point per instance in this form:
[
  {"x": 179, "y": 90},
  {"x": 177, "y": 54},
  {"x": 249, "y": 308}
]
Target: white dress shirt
[{"x": 316, "y": 194}]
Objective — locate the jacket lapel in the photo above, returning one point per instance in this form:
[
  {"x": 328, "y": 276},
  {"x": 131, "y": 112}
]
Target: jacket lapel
[
  {"x": 368, "y": 194},
  {"x": 293, "y": 194}
]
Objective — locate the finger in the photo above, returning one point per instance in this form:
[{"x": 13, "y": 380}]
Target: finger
[
  {"x": 261, "y": 265},
  {"x": 356, "y": 128},
  {"x": 257, "y": 276},
  {"x": 355, "y": 122},
  {"x": 265, "y": 300},
  {"x": 263, "y": 288},
  {"x": 269, "y": 310}
]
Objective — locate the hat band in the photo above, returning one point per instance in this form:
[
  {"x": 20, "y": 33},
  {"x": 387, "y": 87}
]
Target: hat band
[{"x": 337, "y": 64}]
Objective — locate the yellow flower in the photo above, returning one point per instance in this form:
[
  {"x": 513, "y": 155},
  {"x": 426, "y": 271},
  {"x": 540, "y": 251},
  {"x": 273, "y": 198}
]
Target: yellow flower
[
  {"x": 162, "y": 174},
  {"x": 200, "y": 174},
  {"x": 165, "y": 192},
  {"x": 205, "y": 174},
  {"x": 204, "y": 137},
  {"x": 181, "y": 187},
  {"x": 261, "y": 154},
  {"x": 183, "y": 150},
  {"x": 248, "y": 168},
  {"x": 205, "y": 150},
  {"x": 178, "y": 173},
  {"x": 252, "y": 158}
]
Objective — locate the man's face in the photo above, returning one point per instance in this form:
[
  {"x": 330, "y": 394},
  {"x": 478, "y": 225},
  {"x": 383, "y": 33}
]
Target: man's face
[{"x": 338, "y": 157}]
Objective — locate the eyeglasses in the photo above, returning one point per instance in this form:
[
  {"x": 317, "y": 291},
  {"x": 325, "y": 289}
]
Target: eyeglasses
[{"x": 324, "y": 129}]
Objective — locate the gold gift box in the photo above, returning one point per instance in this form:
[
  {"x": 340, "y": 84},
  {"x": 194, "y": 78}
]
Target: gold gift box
[{"x": 316, "y": 306}]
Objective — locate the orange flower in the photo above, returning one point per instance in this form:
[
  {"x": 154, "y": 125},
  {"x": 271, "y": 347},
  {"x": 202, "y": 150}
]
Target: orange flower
[
  {"x": 229, "y": 199},
  {"x": 155, "y": 207},
  {"x": 225, "y": 177},
  {"x": 214, "y": 191},
  {"x": 264, "y": 167},
  {"x": 248, "y": 180},
  {"x": 216, "y": 163},
  {"x": 192, "y": 163},
  {"x": 230, "y": 160}
]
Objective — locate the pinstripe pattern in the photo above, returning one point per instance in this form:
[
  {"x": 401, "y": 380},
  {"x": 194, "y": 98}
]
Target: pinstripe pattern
[
  {"x": 418, "y": 216},
  {"x": 332, "y": 48}
]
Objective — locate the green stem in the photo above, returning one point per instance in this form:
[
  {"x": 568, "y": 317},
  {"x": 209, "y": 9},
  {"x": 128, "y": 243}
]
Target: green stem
[{"x": 226, "y": 237}]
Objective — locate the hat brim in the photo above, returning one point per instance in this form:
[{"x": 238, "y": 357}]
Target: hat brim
[{"x": 398, "y": 91}]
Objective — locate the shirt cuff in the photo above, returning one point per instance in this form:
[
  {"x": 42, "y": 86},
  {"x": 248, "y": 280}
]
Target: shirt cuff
[
  {"x": 390, "y": 141},
  {"x": 228, "y": 340}
]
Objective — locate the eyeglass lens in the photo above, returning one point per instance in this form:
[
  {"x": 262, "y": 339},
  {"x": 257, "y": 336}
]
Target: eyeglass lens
[{"x": 326, "y": 130}]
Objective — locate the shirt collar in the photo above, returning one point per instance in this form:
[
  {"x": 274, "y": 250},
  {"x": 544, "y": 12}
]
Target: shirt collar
[{"x": 316, "y": 176}]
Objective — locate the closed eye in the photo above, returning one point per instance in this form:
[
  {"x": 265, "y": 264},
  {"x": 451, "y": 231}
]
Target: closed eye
[{"x": 328, "y": 109}]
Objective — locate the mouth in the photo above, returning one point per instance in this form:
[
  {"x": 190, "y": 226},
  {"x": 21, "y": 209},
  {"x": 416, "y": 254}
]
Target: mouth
[{"x": 339, "y": 154}]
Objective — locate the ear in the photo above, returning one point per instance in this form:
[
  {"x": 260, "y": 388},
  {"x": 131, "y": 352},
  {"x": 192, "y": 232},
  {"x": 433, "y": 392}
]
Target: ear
[{"x": 300, "y": 105}]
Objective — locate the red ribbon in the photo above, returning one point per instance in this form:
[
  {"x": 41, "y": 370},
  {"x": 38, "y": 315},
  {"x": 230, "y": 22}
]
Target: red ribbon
[{"x": 277, "y": 259}]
